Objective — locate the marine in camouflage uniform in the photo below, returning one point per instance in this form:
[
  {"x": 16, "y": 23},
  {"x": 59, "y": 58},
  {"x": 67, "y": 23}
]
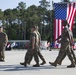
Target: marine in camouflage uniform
[
  {"x": 3, "y": 43},
  {"x": 39, "y": 51},
  {"x": 65, "y": 48},
  {"x": 38, "y": 45},
  {"x": 33, "y": 49},
  {"x": 72, "y": 51}
]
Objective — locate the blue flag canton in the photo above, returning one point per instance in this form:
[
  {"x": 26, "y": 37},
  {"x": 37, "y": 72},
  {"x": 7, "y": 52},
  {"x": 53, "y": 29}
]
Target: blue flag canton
[{"x": 60, "y": 11}]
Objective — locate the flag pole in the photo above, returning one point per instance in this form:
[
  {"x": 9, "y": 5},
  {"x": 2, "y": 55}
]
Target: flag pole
[
  {"x": 53, "y": 26},
  {"x": 52, "y": 5},
  {"x": 52, "y": 21}
]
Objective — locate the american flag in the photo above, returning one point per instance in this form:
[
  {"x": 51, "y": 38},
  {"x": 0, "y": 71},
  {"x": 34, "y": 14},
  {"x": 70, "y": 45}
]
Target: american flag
[
  {"x": 57, "y": 29},
  {"x": 64, "y": 11}
]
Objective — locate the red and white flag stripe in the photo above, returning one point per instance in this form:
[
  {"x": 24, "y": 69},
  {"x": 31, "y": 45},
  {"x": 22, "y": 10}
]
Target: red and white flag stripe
[
  {"x": 57, "y": 29},
  {"x": 71, "y": 11}
]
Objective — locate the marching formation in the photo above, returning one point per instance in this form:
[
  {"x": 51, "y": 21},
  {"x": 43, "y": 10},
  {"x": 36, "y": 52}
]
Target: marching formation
[
  {"x": 34, "y": 47},
  {"x": 66, "y": 48}
]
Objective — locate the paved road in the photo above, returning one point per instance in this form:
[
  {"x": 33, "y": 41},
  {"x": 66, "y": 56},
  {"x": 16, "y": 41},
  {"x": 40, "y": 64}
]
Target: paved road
[{"x": 11, "y": 65}]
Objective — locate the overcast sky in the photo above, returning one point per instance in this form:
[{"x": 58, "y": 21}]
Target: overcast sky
[{"x": 5, "y": 4}]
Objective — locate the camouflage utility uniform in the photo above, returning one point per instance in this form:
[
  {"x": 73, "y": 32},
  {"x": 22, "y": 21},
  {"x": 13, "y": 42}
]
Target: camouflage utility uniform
[
  {"x": 3, "y": 40},
  {"x": 30, "y": 53},
  {"x": 65, "y": 48},
  {"x": 39, "y": 51},
  {"x": 72, "y": 51}
]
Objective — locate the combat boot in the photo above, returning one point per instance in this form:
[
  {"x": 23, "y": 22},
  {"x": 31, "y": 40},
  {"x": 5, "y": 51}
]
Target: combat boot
[
  {"x": 75, "y": 61},
  {"x": 44, "y": 62},
  {"x": 53, "y": 64},
  {"x": 2, "y": 60},
  {"x": 36, "y": 65},
  {"x": 24, "y": 63},
  {"x": 71, "y": 66}
]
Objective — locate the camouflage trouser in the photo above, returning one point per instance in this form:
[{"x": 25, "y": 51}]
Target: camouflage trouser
[
  {"x": 30, "y": 54},
  {"x": 2, "y": 51},
  {"x": 65, "y": 48},
  {"x": 40, "y": 55},
  {"x": 72, "y": 53}
]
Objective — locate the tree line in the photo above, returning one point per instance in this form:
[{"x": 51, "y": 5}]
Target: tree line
[{"x": 17, "y": 21}]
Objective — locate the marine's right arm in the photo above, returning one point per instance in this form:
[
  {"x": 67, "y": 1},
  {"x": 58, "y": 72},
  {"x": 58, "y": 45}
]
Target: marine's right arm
[{"x": 58, "y": 38}]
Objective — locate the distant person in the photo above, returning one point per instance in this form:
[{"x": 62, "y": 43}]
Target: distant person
[
  {"x": 3, "y": 43},
  {"x": 49, "y": 44}
]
